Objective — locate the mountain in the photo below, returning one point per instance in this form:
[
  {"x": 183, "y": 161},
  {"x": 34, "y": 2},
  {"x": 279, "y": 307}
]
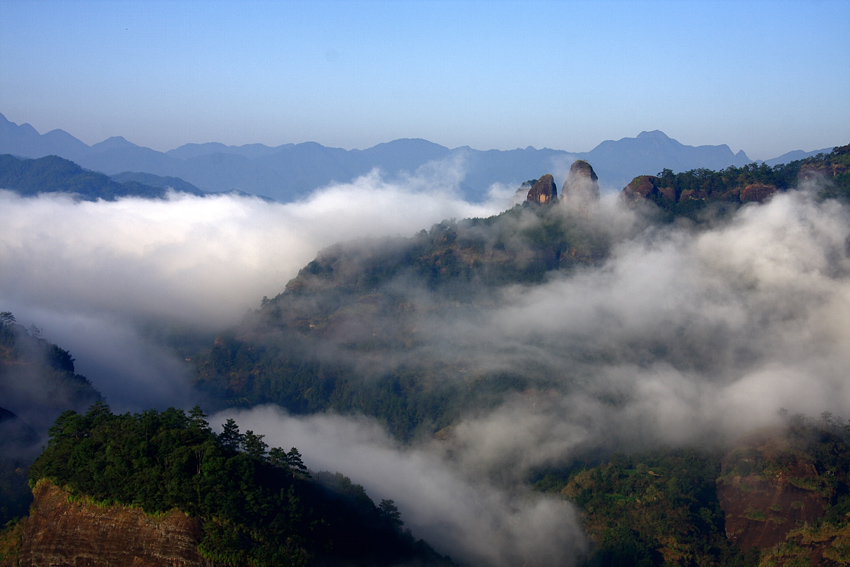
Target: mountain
[
  {"x": 292, "y": 171},
  {"x": 690, "y": 193},
  {"x": 52, "y": 174},
  {"x": 151, "y": 180},
  {"x": 388, "y": 308},
  {"x": 250, "y": 151},
  {"x": 571, "y": 343},
  {"x": 777, "y": 497},
  {"x": 431, "y": 332},
  {"x": 160, "y": 488},
  {"x": 795, "y": 155},
  {"x": 650, "y": 152},
  {"x": 24, "y": 141},
  {"x": 37, "y": 380},
  {"x": 37, "y": 384}
]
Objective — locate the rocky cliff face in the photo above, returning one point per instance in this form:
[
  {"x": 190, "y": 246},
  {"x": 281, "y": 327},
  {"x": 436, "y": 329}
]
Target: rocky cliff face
[
  {"x": 581, "y": 189},
  {"x": 767, "y": 489},
  {"x": 650, "y": 187},
  {"x": 757, "y": 193},
  {"x": 544, "y": 191},
  {"x": 59, "y": 532}
]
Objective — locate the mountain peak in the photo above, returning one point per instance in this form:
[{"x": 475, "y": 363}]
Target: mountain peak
[
  {"x": 113, "y": 143},
  {"x": 653, "y": 135}
]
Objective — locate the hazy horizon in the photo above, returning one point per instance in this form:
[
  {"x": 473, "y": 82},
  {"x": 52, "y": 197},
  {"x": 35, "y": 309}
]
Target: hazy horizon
[{"x": 763, "y": 77}]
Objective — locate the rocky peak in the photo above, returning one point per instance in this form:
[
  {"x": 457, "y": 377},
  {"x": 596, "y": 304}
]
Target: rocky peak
[
  {"x": 544, "y": 192},
  {"x": 581, "y": 189}
]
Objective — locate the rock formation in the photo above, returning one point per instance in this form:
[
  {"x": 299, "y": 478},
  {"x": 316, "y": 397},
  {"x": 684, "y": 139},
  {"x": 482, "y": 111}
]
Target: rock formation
[
  {"x": 59, "y": 532},
  {"x": 544, "y": 192},
  {"x": 581, "y": 189},
  {"x": 757, "y": 193},
  {"x": 762, "y": 507},
  {"x": 650, "y": 188}
]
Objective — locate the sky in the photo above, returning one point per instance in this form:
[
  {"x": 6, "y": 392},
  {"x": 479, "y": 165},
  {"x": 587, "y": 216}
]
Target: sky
[{"x": 763, "y": 76}]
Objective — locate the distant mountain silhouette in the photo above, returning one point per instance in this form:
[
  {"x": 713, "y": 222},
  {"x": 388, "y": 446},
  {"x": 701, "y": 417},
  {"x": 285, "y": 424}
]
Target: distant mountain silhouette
[
  {"x": 654, "y": 151},
  {"x": 24, "y": 141},
  {"x": 52, "y": 174},
  {"x": 795, "y": 155},
  {"x": 292, "y": 171}
]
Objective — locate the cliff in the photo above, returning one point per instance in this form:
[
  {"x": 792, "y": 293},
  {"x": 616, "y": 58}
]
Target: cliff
[
  {"x": 686, "y": 192},
  {"x": 768, "y": 487},
  {"x": 60, "y": 531},
  {"x": 544, "y": 191},
  {"x": 581, "y": 189}
]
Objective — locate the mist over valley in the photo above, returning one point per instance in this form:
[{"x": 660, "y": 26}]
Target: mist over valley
[{"x": 467, "y": 359}]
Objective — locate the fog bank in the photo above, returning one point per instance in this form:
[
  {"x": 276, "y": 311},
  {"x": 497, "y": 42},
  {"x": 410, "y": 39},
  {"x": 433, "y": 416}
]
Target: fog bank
[{"x": 102, "y": 278}]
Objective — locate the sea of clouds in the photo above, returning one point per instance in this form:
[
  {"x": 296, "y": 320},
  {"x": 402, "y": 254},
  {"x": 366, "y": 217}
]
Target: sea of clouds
[{"x": 679, "y": 336}]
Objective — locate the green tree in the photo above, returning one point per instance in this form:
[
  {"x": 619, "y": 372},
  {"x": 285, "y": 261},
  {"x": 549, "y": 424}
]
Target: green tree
[
  {"x": 230, "y": 438},
  {"x": 296, "y": 465},
  {"x": 254, "y": 445}
]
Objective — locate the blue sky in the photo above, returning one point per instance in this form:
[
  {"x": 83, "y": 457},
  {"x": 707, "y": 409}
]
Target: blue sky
[{"x": 763, "y": 76}]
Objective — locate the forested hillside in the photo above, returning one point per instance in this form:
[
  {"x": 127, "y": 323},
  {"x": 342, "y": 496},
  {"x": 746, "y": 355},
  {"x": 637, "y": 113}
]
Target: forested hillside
[
  {"x": 372, "y": 308},
  {"x": 37, "y": 383},
  {"x": 366, "y": 309},
  {"x": 696, "y": 192},
  {"x": 779, "y": 497},
  {"x": 603, "y": 352},
  {"x": 412, "y": 331},
  {"x": 256, "y": 505}
]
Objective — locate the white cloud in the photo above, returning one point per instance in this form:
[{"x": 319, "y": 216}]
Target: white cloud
[
  {"x": 443, "y": 502},
  {"x": 184, "y": 262}
]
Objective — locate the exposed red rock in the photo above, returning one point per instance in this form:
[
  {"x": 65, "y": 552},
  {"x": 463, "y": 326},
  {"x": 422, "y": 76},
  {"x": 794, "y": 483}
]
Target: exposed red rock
[
  {"x": 763, "y": 507},
  {"x": 63, "y": 533},
  {"x": 581, "y": 189},
  {"x": 757, "y": 192},
  {"x": 691, "y": 194},
  {"x": 544, "y": 191},
  {"x": 641, "y": 187},
  {"x": 668, "y": 193}
]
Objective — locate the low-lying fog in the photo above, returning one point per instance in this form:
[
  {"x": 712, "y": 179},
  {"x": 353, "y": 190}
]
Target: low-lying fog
[{"x": 752, "y": 314}]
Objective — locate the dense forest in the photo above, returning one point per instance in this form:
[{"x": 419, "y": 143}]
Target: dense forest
[
  {"x": 358, "y": 308},
  {"x": 258, "y": 505},
  {"x": 663, "y": 506},
  {"x": 702, "y": 193},
  {"x": 382, "y": 328}
]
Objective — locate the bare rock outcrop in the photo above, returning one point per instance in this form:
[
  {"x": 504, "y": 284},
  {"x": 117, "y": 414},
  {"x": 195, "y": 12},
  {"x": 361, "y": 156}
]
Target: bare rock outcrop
[
  {"x": 581, "y": 189},
  {"x": 61, "y": 532},
  {"x": 757, "y": 193},
  {"x": 640, "y": 188},
  {"x": 762, "y": 507},
  {"x": 544, "y": 192}
]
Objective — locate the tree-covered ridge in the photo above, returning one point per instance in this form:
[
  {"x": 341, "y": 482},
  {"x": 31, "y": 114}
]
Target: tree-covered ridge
[
  {"x": 666, "y": 506},
  {"x": 687, "y": 193},
  {"x": 52, "y": 174},
  {"x": 355, "y": 308},
  {"x": 458, "y": 257},
  {"x": 37, "y": 383},
  {"x": 258, "y": 506},
  {"x": 358, "y": 308},
  {"x": 654, "y": 508},
  {"x": 37, "y": 377}
]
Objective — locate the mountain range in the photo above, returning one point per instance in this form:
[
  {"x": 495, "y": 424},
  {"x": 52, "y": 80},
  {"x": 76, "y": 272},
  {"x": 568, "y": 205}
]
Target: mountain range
[
  {"x": 543, "y": 359},
  {"x": 291, "y": 171}
]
